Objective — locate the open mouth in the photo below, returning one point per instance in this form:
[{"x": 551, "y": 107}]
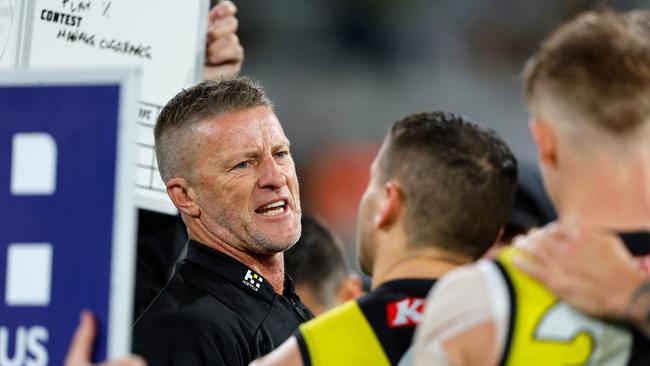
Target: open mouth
[{"x": 273, "y": 209}]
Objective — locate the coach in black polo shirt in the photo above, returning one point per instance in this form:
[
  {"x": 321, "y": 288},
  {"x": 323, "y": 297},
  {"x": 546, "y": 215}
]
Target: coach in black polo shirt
[{"x": 226, "y": 164}]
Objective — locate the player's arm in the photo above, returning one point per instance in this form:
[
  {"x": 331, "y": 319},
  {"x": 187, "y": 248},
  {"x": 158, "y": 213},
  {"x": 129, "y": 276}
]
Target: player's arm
[
  {"x": 591, "y": 270},
  {"x": 465, "y": 320},
  {"x": 288, "y": 354}
]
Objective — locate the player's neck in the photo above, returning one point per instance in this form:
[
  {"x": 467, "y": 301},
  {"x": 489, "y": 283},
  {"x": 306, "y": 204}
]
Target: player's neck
[
  {"x": 411, "y": 264},
  {"x": 270, "y": 266},
  {"x": 609, "y": 194}
]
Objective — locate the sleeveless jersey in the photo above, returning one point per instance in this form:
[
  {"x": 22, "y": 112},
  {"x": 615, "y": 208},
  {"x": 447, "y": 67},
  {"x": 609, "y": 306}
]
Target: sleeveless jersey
[
  {"x": 377, "y": 329},
  {"x": 545, "y": 331}
]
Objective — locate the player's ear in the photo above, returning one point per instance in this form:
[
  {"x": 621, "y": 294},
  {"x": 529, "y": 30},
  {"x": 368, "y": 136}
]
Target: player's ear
[
  {"x": 183, "y": 196},
  {"x": 545, "y": 138},
  {"x": 390, "y": 206}
]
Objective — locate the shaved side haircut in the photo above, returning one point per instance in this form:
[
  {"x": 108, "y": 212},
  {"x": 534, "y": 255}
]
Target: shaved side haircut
[
  {"x": 459, "y": 180},
  {"x": 208, "y": 99}
]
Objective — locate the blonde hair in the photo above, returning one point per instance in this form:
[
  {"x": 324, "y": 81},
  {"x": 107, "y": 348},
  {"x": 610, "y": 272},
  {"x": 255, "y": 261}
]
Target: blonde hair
[{"x": 598, "y": 67}]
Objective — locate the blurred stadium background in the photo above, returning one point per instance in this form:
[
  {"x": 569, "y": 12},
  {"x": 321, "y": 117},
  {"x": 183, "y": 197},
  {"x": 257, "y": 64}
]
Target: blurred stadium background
[{"x": 340, "y": 72}]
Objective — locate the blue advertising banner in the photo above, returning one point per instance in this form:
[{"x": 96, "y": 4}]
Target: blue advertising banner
[{"x": 66, "y": 212}]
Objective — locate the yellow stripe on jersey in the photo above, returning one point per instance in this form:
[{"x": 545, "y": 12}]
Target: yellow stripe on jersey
[
  {"x": 549, "y": 332},
  {"x": 343, "y": 336}
]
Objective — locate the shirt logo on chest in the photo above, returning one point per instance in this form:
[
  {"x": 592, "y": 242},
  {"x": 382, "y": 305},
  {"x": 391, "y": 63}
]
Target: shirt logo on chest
[
  {"x": 405, "y": 313},
  {"x": 253, "y": 280}
]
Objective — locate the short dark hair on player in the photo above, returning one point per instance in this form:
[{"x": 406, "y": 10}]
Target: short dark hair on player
[
  {"x": 458, "y": 177},
  {"x": 316, "y": 261}
]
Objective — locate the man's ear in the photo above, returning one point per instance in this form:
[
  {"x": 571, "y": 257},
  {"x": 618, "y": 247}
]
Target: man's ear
[
  {"x": 390, "y": 206},
  {"x": 545, "y": 139},
  {"x": 183, "y": 196}
]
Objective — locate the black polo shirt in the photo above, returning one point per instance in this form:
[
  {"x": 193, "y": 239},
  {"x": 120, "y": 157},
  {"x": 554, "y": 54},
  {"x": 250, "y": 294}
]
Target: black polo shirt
[{"x": 216, "y": 311}]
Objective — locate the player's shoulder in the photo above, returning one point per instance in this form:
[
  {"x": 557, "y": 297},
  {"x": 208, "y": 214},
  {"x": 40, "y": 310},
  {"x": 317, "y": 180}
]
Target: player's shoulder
[
  {"x": 469, "y": 294},
  {"x": 464, "y": 298},
  {"x": 468, "y": 278},
  {"x": 321, "y": 341},
  {"x": 326, "y": 327}
]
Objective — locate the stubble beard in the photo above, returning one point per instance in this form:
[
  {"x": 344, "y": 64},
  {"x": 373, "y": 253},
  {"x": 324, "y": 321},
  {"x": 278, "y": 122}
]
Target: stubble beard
[
  {"x": 263, "y": 245},
  {"x": 251, "y": 239}
]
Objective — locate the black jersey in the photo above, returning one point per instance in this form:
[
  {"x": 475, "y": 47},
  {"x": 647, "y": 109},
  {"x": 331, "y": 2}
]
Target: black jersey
[
  {"x": 216, "y": 311},
  {"x": 376, "y": 329}
]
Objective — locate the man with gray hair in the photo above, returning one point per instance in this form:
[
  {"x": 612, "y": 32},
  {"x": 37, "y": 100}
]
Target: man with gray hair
[{"x": 226, "y": 165}]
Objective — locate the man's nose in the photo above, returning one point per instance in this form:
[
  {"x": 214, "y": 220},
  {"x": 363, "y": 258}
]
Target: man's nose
[{"x": 271, "y": 175}]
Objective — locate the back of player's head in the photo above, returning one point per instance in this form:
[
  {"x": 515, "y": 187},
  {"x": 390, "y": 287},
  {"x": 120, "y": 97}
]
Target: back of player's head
[
  {"x": 316, "y": 262},
  {"x": 593, "y": 73},
  {"x": 458, "y": 180}
]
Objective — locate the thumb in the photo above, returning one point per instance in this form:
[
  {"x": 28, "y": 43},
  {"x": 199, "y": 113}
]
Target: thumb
[{"x": 82, "y": 342}]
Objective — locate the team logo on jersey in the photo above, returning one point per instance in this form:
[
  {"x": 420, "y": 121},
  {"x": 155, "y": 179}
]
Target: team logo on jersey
[
  {"x": 253, "y": 280},
  {"x": 405, "y": 313}
]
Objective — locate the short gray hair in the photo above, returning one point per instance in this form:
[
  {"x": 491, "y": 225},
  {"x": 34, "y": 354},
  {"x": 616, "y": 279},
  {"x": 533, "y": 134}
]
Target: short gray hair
[{"x": 191, "y": 106}]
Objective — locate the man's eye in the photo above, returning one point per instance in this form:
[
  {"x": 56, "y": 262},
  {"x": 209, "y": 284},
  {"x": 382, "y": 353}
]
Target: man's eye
[
  {"x": 242, "y": 165},
  {"x": 281, "y": 154}
]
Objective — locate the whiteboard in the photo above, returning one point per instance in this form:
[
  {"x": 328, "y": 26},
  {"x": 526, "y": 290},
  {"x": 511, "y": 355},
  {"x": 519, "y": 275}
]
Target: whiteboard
[
  {"x": 166, "y": 38},
  {"x": 10, "y": 16}
]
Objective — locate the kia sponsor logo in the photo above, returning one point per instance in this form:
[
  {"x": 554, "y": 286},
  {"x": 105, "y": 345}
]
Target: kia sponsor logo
[{"x": 405, "y": 313}]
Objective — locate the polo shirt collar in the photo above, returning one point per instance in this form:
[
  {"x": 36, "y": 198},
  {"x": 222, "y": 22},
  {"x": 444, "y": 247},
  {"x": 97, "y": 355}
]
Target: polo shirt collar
[{"x": 232, "y": 270}]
